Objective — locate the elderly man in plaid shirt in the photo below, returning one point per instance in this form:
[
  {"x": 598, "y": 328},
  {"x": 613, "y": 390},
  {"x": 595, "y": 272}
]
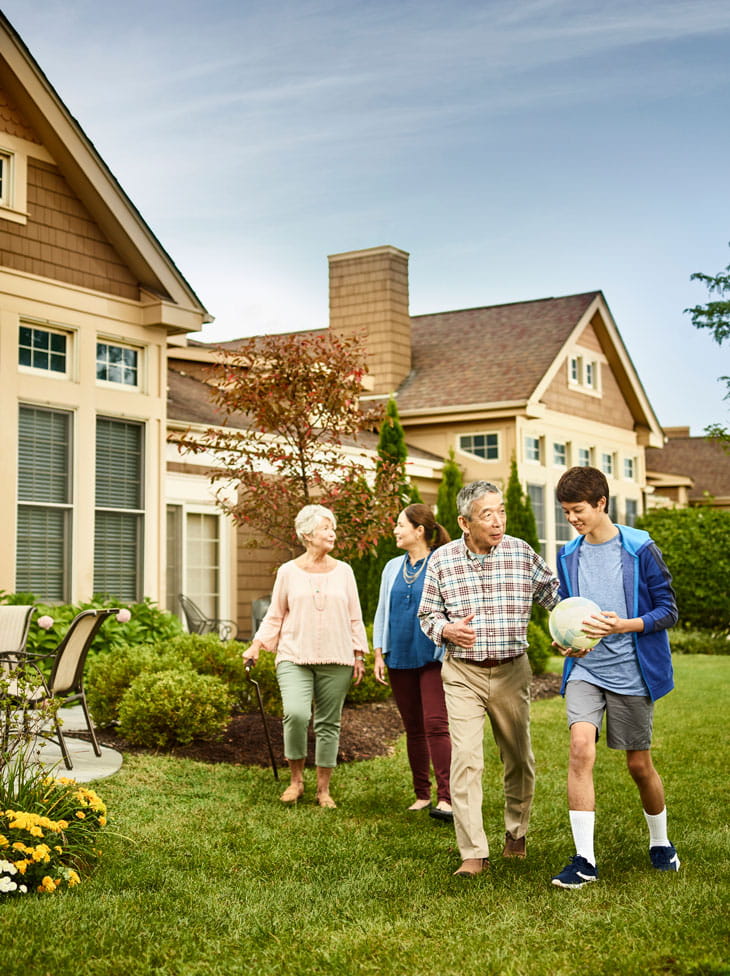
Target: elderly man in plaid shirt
[{"x": 476, "y": 601}]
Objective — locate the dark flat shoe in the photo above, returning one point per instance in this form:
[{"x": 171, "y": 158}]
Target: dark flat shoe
[{"x": 446, "y": 816}]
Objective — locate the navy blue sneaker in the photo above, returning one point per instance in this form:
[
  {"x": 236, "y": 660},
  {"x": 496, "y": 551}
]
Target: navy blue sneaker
[
  {"x": 664, "y": 858},
  {"x": 576, "y": 874}
]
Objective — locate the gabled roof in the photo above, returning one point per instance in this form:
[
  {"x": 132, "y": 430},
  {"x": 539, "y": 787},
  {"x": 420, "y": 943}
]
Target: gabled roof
[
  {"x": 496, "y": 354},
  {"x": 86, "y": 173},
  {"x": 701, "y": 457}
]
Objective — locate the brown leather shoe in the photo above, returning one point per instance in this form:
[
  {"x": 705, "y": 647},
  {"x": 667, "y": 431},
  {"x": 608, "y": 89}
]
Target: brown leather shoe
[
  {"x": 471, "y": 867},
  {"x": 514, "y": 846}
]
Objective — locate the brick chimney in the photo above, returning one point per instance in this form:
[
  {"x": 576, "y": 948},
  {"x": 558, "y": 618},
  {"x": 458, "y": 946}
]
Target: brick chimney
[{"x": 369, "y": 295}]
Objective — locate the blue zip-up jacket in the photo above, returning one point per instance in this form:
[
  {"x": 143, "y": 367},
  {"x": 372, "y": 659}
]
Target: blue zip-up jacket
[{"x": 649, "y": 595}]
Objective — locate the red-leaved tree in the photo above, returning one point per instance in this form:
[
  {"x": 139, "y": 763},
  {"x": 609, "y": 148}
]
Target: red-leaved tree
[{"x": 290, "y": 420}]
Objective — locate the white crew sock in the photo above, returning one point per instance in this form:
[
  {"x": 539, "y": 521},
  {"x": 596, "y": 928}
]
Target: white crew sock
[
  {"x": 582, "y": 823},
  {"x": 657, "y": 824}
]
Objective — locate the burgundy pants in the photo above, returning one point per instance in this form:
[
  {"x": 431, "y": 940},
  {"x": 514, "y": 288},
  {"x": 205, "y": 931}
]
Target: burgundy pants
[{"x": 419, "y": 695}]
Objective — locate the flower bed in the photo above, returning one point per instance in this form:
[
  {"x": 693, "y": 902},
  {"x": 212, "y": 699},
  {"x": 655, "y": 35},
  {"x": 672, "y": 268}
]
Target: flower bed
[{"x": 48, "y": 850}]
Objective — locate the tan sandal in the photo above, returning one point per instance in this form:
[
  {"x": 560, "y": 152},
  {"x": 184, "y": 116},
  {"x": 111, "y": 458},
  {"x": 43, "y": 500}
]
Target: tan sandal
[
  {"x": 293, "y": 792},
  {"x": 325, "y": 800}
]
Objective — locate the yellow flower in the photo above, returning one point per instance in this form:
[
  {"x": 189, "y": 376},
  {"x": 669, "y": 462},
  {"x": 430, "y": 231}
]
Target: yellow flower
[
  {"x": 42, "y": 852},
  {"x": 20, "y": 846},
  {"x": 48, "y": 885},
  {"x": 22, "y": 865},
  {"x": 4, "y": 840},
  {"x": 73, "y": 878},
  {"x": 102, "y": 821},
  {"x": 58, "y": 850},
  {"x": 81, "y": 815}
]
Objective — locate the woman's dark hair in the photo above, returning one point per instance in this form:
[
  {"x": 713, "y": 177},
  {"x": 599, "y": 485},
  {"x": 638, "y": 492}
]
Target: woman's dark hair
[{"x": 433, "y": 532}]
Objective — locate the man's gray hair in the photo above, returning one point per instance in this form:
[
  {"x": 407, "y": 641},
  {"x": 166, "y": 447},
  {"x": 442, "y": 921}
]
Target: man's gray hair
[
  {"x": 469, "y": 494},
  {"x": 307, "y": 518}
]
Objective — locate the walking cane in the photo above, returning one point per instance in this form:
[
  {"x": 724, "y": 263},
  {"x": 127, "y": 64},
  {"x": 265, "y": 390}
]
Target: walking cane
[{"x": 249, "y": 665}]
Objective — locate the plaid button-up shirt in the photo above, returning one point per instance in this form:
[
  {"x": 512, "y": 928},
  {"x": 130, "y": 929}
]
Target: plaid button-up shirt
[{"x": 499, "y": 592}]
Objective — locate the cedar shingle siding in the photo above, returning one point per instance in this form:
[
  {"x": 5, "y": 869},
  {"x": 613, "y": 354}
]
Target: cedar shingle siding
[{"x": 61, "y": 241}]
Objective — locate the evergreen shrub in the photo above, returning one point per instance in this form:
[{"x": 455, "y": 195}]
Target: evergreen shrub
[
  {"x": 699, "y": 641},
  {"x": 540, "y": 647},
  {"x": 695, "y": 544},
  {"x": 174, "y": 707}
]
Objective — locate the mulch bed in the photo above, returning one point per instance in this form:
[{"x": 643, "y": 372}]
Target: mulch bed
[{"x": 367, "y": 731}]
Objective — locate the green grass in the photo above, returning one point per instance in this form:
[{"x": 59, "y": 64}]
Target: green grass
[{"x": 207, "y": 874}]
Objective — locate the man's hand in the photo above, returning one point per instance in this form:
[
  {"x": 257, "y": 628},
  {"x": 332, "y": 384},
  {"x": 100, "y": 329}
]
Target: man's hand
[{"x": 460, "y": 632}]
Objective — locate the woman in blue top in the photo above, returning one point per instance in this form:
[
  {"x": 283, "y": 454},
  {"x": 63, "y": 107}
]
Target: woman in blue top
[{"x": 414, "y": 663}]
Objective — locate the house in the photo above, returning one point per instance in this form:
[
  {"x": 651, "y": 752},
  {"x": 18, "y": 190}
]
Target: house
[
  {"x": 688, "y": 471},
  {"x": 96, "y": 372},
  {"x": 89, "y": 299},
  {"x": 548, "y": 382}
]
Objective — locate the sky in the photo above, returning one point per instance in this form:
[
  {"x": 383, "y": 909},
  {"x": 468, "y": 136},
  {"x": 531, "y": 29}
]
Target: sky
[{"x": 516, "y": 149}]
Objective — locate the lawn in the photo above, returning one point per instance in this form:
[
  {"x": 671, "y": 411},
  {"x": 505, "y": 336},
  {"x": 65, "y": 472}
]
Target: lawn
[{"x": 206, "y": 874}]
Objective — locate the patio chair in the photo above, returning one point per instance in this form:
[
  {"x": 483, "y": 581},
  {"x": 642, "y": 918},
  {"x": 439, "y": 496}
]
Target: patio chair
[
  {"x": 66, "y": 682},
  {"x": 14, "y": 626},
  {"x": 198, "y": 623}
]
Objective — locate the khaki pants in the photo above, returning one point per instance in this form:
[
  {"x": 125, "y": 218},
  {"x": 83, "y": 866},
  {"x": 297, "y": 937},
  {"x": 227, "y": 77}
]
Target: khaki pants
[{"x": 502, "y": 693}]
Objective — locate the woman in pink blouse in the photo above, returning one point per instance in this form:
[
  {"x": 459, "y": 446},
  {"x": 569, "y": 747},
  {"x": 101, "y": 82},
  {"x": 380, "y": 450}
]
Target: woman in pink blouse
[{"x": 314, "y": 624}]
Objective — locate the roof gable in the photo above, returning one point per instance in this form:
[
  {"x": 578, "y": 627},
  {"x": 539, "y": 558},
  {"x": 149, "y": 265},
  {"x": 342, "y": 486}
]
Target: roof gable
[
  {"x": 34, "y": 112},
  {"x": 490, "y": 355}
]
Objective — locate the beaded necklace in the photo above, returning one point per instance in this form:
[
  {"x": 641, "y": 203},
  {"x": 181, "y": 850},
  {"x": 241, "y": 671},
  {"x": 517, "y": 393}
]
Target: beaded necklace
[{"x": 410, "y": 576}]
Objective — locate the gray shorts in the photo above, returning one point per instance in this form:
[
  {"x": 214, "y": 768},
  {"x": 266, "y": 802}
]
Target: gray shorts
[{"x": 629, "y": 718}]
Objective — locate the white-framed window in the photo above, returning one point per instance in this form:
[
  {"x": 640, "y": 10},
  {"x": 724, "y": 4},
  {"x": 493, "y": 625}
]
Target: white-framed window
[
  {"x": 607, "y": 463},
  {"x": 536, "y": 494},
  {"x": 533, "y": 450},
  {"x": 485, "y": 446},
  {"x": 119, "y": 512},
  {"x": 45, "y": 503},
  {"x": 14, "y": 177},
  {"x": 6, "y": 178},
  {"x": 195, "y": 558},
  {"x": 632, "y": 511},
  {"x": 117, "y": 364},
  {"x": 583, "y": 373},
  {"x": 585, "y": 457},
  {"x": 560, "y": 454},
  {"x": 630, "y": 469},
  {"x": 41, "y": 348}
]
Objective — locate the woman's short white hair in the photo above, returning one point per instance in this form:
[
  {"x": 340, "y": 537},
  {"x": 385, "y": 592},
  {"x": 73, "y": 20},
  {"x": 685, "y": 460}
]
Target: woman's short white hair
[{"x": 307, "y": 519}]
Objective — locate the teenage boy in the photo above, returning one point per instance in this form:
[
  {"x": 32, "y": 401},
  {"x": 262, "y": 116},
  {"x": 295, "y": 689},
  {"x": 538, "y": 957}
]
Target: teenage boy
[{"x": 622, "y": 570}]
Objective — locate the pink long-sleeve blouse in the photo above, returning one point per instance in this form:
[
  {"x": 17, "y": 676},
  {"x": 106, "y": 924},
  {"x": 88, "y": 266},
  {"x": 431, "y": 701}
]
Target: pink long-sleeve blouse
[{"x": 314, "y": 618}]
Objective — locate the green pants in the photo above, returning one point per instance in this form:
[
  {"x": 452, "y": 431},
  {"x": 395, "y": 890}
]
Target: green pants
[{"x": 327, "y": 684}]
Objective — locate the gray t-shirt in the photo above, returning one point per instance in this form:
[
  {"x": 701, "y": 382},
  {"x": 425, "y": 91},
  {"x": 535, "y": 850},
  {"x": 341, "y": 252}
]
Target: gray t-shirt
[{"x": 612, "y": 664}]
